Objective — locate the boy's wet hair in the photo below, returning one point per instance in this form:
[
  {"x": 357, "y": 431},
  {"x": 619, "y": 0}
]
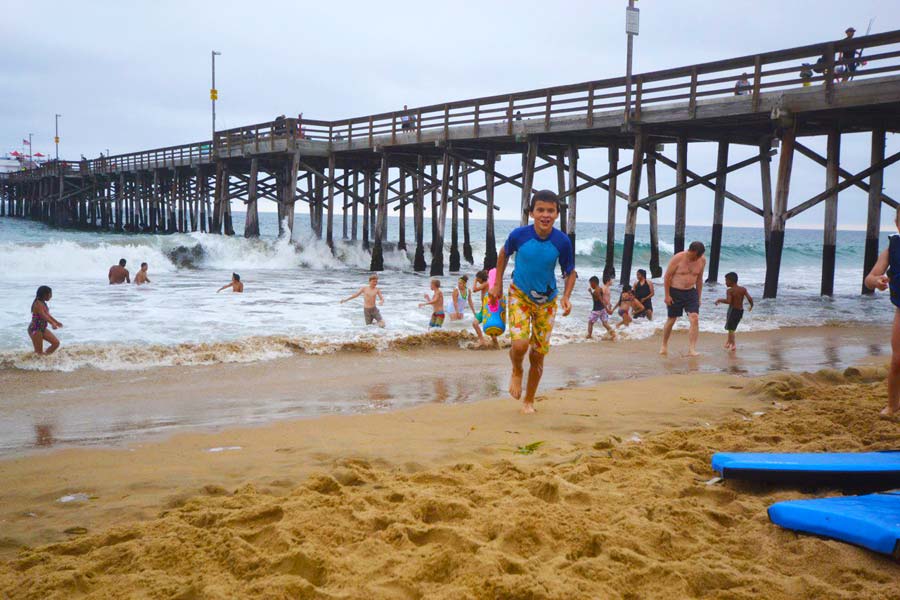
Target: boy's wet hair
[
  {"x": 607, "y": 277},
  {"x": 43, "y": 293},
  {"x": 143, "y": 265},
  {"x": 697, "y": 248},
  {"x": 235, "y": 276},
  {"x": 626, "y": 288},
  {"x": 373, "y": 276},
  {"x": 436, "y": 282},
  {"x": 642, "y": 273},
  {"x": 594, "y": 279},
  {"x": 544, "y": 196},
  {"x": 122, "y": 262},
  {"x": 481, "y": 275},
  {"x": 464, "y": 278},
  {"x": 731, "y": 276}
]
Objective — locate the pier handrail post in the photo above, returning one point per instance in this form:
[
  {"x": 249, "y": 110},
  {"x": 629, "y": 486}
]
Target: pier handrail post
[
  {"x": 509, "y": 117},
  {"x": 829, "y": 77},
  {"x": 590, "y": 105},
  {"x": 393, "y": 128},
  {"x": 446, "y": 121},
  {"x": 476, "y": 130},
  {"x": 419, "y": 125},
  {"x": 547, "y": 110},
  {"x": 757, "y": 76}
]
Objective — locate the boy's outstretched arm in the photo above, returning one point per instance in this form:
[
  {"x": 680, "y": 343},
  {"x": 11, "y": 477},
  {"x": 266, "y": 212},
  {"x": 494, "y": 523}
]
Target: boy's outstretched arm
[
  {"x": 225, "y": 287},
  {"x": 876, "y": 279},
  {"x": 749, "y": 298},
  {"x": 356, "y": 295}
]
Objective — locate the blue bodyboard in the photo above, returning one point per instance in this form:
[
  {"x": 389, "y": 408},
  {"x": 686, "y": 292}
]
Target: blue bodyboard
[
  {"x": 874, "y": 470},
  {"x": 871, "y": 521}
]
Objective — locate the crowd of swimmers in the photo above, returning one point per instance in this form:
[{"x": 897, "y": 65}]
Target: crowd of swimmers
[{"x": 532, "y": 299}]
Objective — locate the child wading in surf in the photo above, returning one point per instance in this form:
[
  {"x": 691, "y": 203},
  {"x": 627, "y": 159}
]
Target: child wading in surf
[
  {"x": 459, "y": 299},
  {"x": 236, "y": 285},
  {"x": 601, "y": 307},
  {"x": 878, "y": 278},
  {"x": 40, "y": 318},
  {"x": 370, "y": 294},
  {"x": 533, "y": 295},
  {"x": 437, "y": 304},
  {"x": 734, "y": 298}
]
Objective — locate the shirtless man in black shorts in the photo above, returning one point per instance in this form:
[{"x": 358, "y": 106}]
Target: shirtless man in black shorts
[{"x": 684, "y": 287}]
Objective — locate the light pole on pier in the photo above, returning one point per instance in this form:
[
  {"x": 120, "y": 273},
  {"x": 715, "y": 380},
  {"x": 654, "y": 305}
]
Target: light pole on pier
[
  {"x": 632, "y": 24},
  {"x": 214, "y": 94},
  {"x": 30, "y": 150},
  {"x": 56, "y": 136}
]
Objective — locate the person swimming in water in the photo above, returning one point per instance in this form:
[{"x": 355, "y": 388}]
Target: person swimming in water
[
  {"x": 40, "y": 318},
  {"x": 140, "y": 277},
  {"x": 236, "y": 285},
  {"x": 456, "y": 308},
  {"x": 119, "y": 274}
]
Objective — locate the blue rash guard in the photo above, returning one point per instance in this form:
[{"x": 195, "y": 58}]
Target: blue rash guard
[{"x": 536, "y": 262}]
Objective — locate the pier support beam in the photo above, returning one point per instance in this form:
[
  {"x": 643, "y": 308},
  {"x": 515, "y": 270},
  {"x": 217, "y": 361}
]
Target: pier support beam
[
  {"x": 829, "y": 240},
  {"x": 873, "y": 222},
  {"x": 401, "y": 226},
  {"x": 377, "y": 246},
  {"x": 437, "y": 246},
  {"x": 634, "y": 187},
  {"x": 715, "y": 251},
  {"x": 561, "y": 192},
  {"x": 329, "y": 231},
  {"x": 655, "y": 269},
  {"x": 490, "y": 241},
  {"x": 613, "y": 154},
  {"x": 681, "y": 159},
  {"x": 367, "y": 195},
  {"x": 571, "y": 213},
  {"x": 782, "y": 191},
  {"x": 527, "y": 178},
  {"x": 251, "y": 225},
  {"x": 419, "y": 215},
  {"x": 765, "y": 177},
  {"x": 454, "y": 223},
  {"x": 354, "y": 208},
  {"x": 467, "y": 238}
]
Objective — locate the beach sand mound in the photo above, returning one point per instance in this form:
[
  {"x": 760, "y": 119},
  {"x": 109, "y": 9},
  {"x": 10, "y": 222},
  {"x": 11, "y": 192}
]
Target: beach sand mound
[{"x": 617, "y": 519}]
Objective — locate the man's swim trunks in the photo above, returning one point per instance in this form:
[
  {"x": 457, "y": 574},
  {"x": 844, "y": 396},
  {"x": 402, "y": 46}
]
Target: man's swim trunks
[
  {"x": 437, "y": 319},
  {"x": 683, "y": 300},
  {"x": 599, "y": 315},
  {"x": 372, "y": 315},
  {"x": 734, "y": 318},
  {"x": 530, "y": 321}
]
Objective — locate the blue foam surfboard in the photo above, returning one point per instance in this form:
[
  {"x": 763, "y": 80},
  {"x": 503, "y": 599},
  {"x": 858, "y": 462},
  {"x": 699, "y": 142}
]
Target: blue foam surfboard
[
  {"x": 871, "y": 521},
  {"x": 875, "y": 470}
]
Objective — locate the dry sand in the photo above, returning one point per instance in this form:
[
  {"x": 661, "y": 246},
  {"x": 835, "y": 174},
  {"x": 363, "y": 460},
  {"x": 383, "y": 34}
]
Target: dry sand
[{"x": 434, "y": 502}]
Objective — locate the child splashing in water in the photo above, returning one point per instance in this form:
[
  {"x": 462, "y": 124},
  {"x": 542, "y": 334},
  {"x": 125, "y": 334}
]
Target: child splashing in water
[
  {"x": 40, "y": 318},
  {"x": 459, "y": 299}
]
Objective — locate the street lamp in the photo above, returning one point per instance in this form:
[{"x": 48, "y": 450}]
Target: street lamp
[
  {"x": 30, "y": 150},
  {"x": 56, "y": 136},
  {"x": 632, "y": 24},
  {"x": 214, "y": 94}
]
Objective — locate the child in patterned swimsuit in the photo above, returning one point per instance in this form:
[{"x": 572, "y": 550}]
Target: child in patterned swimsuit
[
  {"x": 40, "y": 318},
  {"x": 437, "y": 303}
]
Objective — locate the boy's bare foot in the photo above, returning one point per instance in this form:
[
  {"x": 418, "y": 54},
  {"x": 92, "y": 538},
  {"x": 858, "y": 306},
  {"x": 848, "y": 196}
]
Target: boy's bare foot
[
  {"x": 664, "y": 351},
  {"x": 887, "y": 411},
  {"x": 528, "y": 408},
  {"x": 515, "y": 383},
  {"x": 588, "y": 336},
  {"x": 693, "y": 353}
]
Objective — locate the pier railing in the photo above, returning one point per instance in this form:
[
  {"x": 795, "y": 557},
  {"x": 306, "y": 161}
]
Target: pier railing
[{"x": 821, "y": 66}]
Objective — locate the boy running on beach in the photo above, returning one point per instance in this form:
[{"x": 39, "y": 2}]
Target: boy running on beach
[
  {"x": 236, "y": 285},
  {"x": 533, "y": 296},
  {"x": 141, "y": 276},
  {"x": 370, "y": 294},
  {"x": 437, "y": 304},
  {"x": 879, "y": 279},
  {"x": 734, "y": 298},
  {"x": 602, "y": 309}
]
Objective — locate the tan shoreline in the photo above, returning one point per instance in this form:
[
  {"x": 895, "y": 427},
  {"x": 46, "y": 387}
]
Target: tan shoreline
[{"x": 433, "y": 502}]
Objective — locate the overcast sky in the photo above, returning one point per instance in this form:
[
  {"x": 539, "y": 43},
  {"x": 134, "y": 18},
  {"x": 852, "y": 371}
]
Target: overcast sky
[{"x": 135, "y": 75}]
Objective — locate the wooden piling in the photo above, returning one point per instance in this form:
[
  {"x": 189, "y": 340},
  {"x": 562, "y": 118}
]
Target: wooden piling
[
  {"x": 401, "y": 226},
  {"x": 434, "y": 203},
  {"x": 251, "y": 225},
  {"x": 467, "y": 238},
  {"x": 681, "y": 195},
  {"x": 454, "y": 224},
  {"x": 782, "y": 191},
  {"x": 829, "y": 240},
  {"x": 528, "y": 178},
  {"x": 377, "y": 247},
  {"x": 490, "y": 241},
  {"x": 634, "y": 187},
  {"x": 715, "y": 250},
  {"x": 329, "y": 232},
  {"x": 437, "y": 246},
  {"x": 354, "y": 208},
  {"x": 367, "y": 189},
  {"x": 419, "y": 215},
  {"x": 346, "y": 198},
  {"x": 655, "y": 268},
  {"x": 765, "y": 177},
  {"x": 560, "y": 191},
  {"x": 613, "y": 155},
  {"x": 571, "y": 216},
  {"x": 873, "y": 221}
]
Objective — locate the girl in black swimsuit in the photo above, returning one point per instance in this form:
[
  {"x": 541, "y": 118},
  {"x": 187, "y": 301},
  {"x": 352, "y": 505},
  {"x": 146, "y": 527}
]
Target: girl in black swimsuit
[{"x": 643, "y": 291}]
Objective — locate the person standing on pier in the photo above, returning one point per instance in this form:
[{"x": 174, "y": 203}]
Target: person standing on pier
[
  {"x": 533, "y": 295},
  {"x": 878, "y": 279},
  {"x": 119, "y": 274},
  {"x": 684, "y": 288}
]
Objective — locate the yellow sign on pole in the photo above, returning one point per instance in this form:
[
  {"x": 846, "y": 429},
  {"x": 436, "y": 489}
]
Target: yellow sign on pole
[
  {"x": 213, "y": 94},
  {"x": 56, "y": 139}
]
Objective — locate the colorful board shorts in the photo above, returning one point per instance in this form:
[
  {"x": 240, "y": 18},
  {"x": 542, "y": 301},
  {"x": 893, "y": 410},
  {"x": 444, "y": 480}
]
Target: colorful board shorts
[
  {"x": 599, "y": 315},
  {"x": 437, "y": 319},
  {"x": 372, "y": 315},
  {"x": 733, "y": 319},
  {"x": 530, "y": 321}
]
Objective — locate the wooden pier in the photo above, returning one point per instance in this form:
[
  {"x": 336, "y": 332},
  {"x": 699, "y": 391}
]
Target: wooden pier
[{"x": 449, "y": 157}]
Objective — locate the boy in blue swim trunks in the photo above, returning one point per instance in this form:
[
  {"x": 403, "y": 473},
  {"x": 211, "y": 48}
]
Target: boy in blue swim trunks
[{"x": 533, "y": 294}]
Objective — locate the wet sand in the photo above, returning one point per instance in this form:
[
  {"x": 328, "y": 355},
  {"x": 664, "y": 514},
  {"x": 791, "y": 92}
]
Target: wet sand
[
  {"x": 435, "y": 501},
  {"x": 42, "y": 410}
]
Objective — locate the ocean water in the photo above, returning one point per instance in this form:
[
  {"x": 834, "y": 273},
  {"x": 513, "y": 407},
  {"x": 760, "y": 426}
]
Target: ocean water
[{"x": 293, "y": 288}]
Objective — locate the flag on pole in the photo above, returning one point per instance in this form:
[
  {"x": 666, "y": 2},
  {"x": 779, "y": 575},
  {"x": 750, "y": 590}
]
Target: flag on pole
[{"x": 26, "y": 142}]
